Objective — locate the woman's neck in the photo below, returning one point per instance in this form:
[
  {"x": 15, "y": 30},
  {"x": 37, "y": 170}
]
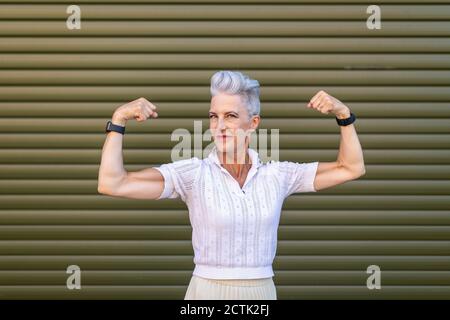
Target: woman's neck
[
  {"x": 237, "y": 163},
  {"x": 234, "y": 158}
]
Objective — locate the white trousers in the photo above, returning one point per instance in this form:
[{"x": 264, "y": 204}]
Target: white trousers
[{"x": 235, "y": 289}]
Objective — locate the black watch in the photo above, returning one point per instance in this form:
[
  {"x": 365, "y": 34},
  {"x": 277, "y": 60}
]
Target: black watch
[
  {"x": 114, "y": 127},
  {"x": 346, "y": 121}
]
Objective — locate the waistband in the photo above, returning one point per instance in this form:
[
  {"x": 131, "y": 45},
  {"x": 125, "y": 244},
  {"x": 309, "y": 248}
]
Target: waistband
[
  {"x": 238, "y": 282},
  {"x": 232, "y": 273}
]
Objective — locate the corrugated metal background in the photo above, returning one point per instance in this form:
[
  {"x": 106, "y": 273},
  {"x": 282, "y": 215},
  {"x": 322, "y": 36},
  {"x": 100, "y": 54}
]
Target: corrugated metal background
[{"x": 58, "y": 88}]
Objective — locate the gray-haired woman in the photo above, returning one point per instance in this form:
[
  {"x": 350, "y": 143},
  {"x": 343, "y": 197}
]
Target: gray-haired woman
[{"x": 234, "y": 200}]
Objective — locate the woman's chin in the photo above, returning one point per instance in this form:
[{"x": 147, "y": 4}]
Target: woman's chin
[
  {"x": 228, "y": 147},
  {"x": 223, "y": 146}
]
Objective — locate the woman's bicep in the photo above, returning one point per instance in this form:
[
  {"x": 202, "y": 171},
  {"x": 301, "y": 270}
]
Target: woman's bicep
[
  {"x": 330, "y": 174},
  {"x": 144, "y": 184}
]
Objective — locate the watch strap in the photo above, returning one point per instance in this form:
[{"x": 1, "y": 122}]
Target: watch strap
[
  {"x": 114, "y": 127},
  {"x": 346, "y": 121}
]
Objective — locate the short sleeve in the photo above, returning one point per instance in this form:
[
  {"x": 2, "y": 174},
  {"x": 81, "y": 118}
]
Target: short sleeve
[
  {"x": 297, "y": 177},
  {"x": 179, "y": 177}
]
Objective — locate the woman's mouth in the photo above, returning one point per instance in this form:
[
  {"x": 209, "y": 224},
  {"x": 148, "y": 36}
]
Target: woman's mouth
[{"x": 222, "y": 137}]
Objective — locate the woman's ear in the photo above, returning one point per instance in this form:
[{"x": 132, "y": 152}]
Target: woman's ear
[{"x": 255, "y": 122}]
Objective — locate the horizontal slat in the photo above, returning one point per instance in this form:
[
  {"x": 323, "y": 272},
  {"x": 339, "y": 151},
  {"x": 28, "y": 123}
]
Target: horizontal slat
[
  {"x": 225, "y": 44},
  {"x": 195, "y": 77},
  {"x": 362, "y": 293},
  {"x": 225, "y": 28},
  {"x": 155, "y": 247},
  {"x": 213, "y": 61},
  {"x": 92, "y": 109},
  {"x": 300, "y": 201},
  {"x": 133, "y": 156},
  {"x": 111, "y": 278},
  {"x": 138, "y": 277},
  {"x": 115, "y": 217},
  {"x": 195, "y": 93},
  {"x": 285, "y": 141},
  {"x": 424, "y": 263},
  {"x": 217, "y": 12},
  {"x": 92, "y": 292},
  {"x": 360, "y": 186},
  {"x": 287, "y": 292},
  {"x": 324, "y": 124},
  {"x": 87, "y": 171},
  {"x": 181, "y": 217},
  {"x": 184, "y": 232},
  {"x": 229, "y": 1}
]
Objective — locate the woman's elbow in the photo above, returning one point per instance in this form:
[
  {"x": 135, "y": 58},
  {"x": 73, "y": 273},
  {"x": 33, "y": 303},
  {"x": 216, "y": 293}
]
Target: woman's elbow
[
  {"x": 361, "y": 171},
  {"x": 102, "y": 189},
  {"x": 105, "y": 188}
]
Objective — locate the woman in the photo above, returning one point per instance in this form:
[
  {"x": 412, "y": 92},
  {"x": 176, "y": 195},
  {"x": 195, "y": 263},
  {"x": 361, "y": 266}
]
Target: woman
[{"x": 234, "y": 199}]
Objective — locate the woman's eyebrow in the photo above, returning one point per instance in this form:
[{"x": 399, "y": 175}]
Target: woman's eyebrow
[{"x": 210, "y": 112}]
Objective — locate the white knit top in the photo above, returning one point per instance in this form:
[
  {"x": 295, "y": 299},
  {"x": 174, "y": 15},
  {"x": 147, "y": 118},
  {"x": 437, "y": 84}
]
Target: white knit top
[{"x": 234, "y": 230}]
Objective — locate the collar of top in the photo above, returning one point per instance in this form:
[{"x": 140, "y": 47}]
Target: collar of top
[{"x": 254, "y": 156}]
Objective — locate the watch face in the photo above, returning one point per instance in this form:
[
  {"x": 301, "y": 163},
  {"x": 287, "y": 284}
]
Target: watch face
[{"x": 108, "y": 126}]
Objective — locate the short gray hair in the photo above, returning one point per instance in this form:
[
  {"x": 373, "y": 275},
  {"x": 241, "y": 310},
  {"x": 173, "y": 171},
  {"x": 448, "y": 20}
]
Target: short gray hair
[{"x": 235, "y": 82}]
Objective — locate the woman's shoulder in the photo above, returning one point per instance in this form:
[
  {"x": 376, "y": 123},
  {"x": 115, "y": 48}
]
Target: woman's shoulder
[
  {"x": 185, "y": 168},
  {"x": 194, "y": 161},
  {"x": 277, "y": 164},
  {"x": 283, "y": 167}
]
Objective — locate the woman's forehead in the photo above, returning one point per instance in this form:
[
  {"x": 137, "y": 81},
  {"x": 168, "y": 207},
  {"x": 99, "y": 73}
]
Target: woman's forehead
[{"x": 226, "y": 103}]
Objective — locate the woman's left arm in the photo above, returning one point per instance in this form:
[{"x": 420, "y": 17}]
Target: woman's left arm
[{"x": 350, "y": 162}]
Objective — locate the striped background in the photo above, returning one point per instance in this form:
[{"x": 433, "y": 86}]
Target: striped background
[{"x": 58, "y": 87}]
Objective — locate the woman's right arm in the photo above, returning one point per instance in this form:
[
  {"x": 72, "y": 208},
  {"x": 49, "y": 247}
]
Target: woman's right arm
[{"x": 113, "y": 179}]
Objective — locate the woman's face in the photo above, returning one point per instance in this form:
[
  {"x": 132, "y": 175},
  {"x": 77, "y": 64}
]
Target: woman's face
[{"x": 230, "y": 123}]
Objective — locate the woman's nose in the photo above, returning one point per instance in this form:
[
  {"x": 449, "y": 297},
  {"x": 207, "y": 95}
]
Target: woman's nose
[{"x": 220, "y": 124}]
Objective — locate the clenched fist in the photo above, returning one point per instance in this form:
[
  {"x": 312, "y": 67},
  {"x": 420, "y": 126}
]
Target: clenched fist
[
  {"x": 140, "y": 109},
  {"x": 326, "y": 104}
]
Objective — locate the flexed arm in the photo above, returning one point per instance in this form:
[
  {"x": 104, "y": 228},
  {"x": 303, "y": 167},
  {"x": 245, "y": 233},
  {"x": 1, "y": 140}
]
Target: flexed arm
[
  {"x": 350, "y": 162},
  {"x": 113, "y": 179}
]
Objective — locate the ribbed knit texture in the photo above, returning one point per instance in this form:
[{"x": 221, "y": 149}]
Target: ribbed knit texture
[
  {"x": 243, "y": 289},
  {"x": 235, "y": 230}
]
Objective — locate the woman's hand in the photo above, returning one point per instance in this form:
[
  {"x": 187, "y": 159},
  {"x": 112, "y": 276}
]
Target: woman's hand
[
  {"x": 326, "y": 104},
  {"x": 140, "y": 109}
]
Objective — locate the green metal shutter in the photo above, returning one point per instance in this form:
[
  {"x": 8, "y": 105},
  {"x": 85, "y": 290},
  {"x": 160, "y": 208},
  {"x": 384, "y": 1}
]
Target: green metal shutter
[{"x": 58, "y": 87}]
